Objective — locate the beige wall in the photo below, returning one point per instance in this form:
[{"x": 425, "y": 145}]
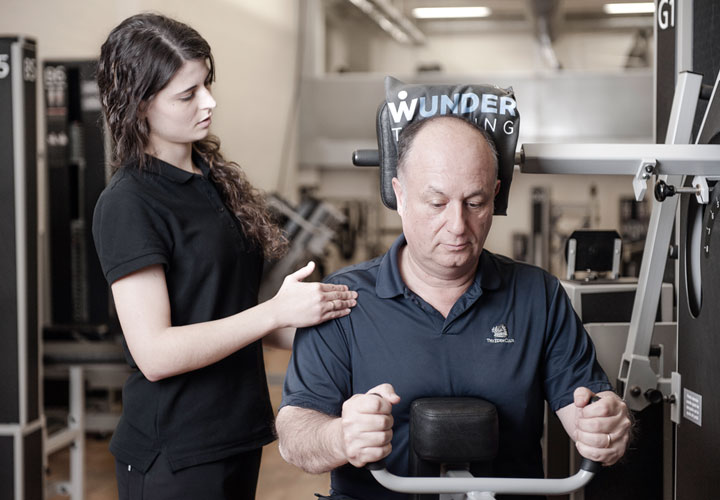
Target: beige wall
[{"x": 254, "y": 47}]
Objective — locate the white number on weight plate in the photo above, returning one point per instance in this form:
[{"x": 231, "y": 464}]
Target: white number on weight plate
[{"x": 4, "y": 66}]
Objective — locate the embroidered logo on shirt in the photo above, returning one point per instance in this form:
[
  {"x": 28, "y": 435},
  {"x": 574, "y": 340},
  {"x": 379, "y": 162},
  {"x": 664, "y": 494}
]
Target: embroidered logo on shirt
[{"x": 500, "y": 335}]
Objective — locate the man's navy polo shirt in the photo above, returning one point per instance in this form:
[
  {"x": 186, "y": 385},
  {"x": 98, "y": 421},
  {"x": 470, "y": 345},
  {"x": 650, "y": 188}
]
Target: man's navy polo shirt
[
  {"x": 512, "y": 338},
  {"x": 165, "y": 215}
]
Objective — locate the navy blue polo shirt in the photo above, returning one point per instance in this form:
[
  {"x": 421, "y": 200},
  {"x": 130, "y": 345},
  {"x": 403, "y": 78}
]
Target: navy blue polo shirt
[
  {"x": 165, "y": 215},
  {"x": 512, "y": 338}
]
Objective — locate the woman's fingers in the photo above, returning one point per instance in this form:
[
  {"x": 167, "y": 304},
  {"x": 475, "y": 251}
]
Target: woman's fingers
[{"x": 303, "y": 272}]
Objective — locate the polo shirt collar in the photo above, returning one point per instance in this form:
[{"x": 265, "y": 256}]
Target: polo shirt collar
[
  {"x": 173, "y": 173},
  {"x": 390, "y": 284}
]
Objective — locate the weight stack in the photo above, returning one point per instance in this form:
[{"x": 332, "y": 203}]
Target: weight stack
[
  {"x": 76, "y": 172},
  {"x": 21, "y": 425}
]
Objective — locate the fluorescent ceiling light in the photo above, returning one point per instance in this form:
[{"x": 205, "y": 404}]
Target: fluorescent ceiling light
[
  {"x": 629, "y": 8},
  {"x": 450, "y": 12}
]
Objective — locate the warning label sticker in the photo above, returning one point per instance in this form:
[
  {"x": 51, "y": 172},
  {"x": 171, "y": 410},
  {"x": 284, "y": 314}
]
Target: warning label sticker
[{"x": 692, "y": 406}]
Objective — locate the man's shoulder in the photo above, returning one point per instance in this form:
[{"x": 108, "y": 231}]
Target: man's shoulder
[
  {"x": 362, "y": 273},
  {"x": 506, "y": 262},
  {"x": 518, "y": 270}
]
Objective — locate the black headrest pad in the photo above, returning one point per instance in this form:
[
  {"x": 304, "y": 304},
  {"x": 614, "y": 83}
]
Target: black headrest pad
[{"x": 491, "y": 107}]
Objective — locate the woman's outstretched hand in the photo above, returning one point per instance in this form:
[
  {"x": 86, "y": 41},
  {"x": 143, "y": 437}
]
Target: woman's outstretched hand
[{"x": 300, "y": 304}]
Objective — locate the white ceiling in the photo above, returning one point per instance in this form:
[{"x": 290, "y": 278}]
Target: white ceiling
[{"x": 563, "y": 15}]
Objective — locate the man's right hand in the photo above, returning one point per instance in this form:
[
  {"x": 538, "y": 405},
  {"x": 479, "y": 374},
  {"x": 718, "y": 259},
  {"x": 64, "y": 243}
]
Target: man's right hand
[{"x": 367, "y": 425}]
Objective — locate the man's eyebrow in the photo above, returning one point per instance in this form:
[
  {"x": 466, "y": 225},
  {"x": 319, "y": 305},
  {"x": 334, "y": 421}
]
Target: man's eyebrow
[{"x": 435, "y": 190}]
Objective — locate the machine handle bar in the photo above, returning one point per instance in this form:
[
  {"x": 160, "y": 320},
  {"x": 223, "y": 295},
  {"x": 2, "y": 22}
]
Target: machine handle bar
[
  {"x": 502, "y": 485},
  {"x": 498, "y": 485}
]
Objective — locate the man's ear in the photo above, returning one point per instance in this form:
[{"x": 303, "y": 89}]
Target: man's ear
[
  {"x": 497, "y": 187},
  {"x": 398, "y": 190}
]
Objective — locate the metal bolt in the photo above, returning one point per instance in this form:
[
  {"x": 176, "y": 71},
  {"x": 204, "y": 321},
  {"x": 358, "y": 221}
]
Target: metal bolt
[{"x": 635, "y": 391}]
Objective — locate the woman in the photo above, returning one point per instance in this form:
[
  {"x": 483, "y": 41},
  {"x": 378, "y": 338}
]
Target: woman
[{"x": 182, "y": 236}]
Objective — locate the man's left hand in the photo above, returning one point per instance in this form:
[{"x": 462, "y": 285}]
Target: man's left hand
[{"x": 602, "y": 428}]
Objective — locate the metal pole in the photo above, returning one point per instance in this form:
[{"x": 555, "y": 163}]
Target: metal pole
[
  {"x": 636, "y": 374},
  {"x": 76, "y": 422}
]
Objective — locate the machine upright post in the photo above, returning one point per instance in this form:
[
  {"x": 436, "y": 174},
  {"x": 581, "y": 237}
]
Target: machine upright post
[
  {"x": 636, "y": 374},
  {"x": 21, "y": 422},
  {"x": 76, "y": 422}
]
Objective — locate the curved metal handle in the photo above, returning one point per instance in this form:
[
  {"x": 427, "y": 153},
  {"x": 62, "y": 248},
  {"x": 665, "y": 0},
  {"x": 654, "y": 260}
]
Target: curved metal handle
[{"x": 502, "y": 485}]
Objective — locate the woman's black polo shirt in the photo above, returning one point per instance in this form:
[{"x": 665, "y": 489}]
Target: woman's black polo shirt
[{"x": 165, "y": 215}]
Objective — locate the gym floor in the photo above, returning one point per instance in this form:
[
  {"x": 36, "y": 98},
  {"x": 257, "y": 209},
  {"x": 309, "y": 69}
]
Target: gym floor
[{"x": 278, "y": 479}]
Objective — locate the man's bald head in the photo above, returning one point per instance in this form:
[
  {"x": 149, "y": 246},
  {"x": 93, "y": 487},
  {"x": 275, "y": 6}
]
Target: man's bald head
[{"x": 406, "y": 140}]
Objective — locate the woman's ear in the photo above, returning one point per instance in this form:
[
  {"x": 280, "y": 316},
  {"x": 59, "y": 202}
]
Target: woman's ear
[{"x": 142, "y": 109}]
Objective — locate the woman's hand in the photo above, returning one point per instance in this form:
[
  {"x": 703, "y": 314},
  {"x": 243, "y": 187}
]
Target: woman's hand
[{"x": 300, "y": 304}]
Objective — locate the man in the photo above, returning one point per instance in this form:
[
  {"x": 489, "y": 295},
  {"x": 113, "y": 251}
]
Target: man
[{"x": 439, "y": 316}]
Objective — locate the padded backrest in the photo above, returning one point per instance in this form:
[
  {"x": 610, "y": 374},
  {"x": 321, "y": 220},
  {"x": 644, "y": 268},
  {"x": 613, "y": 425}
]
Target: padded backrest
[{"x": 493, "y": 108}]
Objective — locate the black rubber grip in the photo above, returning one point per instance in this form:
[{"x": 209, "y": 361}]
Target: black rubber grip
[
  {"x": 590, "y": 466},
  {"x": 587, "y": 464},
  {"x": 366, "y": 158},
  {"x": 380, "y": 464}
]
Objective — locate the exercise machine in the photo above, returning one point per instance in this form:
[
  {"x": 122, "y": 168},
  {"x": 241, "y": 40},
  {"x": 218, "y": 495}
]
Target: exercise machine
[
  {"x": 686, "y": 167},
  {"x": 457, "y": 439}
]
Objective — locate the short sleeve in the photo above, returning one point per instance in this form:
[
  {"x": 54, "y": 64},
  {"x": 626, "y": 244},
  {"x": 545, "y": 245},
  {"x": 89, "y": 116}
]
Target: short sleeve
[
  {"x": 319, "y": 374},
  {"x": 128, "y": 233},
  {"x": 570, "y": 360}
]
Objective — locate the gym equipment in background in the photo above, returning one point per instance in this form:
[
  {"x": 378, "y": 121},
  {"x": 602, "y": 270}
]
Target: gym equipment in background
[
  {"x": 309, "y": 227},
  {"x": 21, "y": 423},
  {"x": 77, "y": 173}
]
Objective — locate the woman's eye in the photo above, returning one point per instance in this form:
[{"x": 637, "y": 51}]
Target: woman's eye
[{"x": 187, "y": 97}]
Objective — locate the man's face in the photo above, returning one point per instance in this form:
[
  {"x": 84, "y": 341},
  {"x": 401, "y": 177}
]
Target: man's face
[{"x": 445, "y": 199}]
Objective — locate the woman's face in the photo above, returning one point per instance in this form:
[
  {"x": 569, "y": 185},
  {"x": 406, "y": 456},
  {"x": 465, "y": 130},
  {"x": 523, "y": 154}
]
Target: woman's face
[{"x": 180, "y": 113}]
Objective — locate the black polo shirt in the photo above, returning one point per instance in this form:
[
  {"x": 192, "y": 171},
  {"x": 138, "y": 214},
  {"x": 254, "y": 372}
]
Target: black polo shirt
[
  {"x": 165, "y": 215},
  {"x": 512, "y": 338}
]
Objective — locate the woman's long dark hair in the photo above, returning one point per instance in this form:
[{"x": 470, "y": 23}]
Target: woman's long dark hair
[{"x": 139, "y": 58}]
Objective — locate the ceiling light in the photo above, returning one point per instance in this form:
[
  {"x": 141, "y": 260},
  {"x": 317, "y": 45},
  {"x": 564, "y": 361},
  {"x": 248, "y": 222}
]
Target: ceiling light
[
  {"x": 629, "y": 8},
  {"x": 450, "y": 12}
]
